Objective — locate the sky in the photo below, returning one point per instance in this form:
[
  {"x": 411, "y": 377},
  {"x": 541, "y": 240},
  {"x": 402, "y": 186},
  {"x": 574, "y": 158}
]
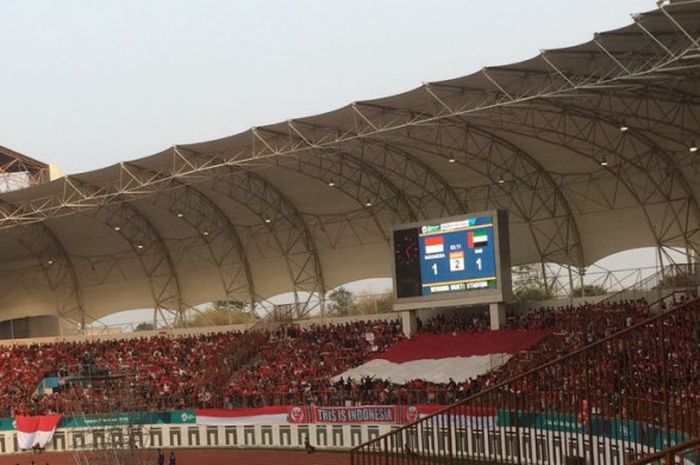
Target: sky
[{"x": 85, "y": 84}]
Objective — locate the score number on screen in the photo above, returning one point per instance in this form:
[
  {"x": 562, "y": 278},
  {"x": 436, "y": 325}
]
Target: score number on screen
[{"x": 458, "y": 256}]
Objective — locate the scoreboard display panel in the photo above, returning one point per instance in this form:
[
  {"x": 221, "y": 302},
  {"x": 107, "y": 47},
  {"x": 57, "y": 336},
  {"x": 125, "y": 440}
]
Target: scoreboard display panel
[{"x": 451, "y": 258}]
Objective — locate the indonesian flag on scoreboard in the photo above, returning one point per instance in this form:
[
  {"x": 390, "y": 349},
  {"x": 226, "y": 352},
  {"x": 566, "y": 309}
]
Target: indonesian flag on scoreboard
[
  {"x": 434, "y": 244},
  {"x": 439, "y": 357},
  {"x": 242, "y": 416},
  {"x": 36, "y": 431}
]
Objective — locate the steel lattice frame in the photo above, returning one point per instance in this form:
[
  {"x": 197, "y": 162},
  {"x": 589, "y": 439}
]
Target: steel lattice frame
[
  {"x": 215, "y": 229},
  {"x": 144, "y": 239},
  {"x": 623, "y": 108},
  {"x": 628, "y": 155},
  {"x": 289, "y": 234}
]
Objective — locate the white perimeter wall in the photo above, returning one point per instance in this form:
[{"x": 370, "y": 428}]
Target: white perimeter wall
[{"x": 501, "y": 443}]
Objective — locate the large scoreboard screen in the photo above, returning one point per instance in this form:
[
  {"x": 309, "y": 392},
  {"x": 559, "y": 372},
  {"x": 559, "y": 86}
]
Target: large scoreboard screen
[{"x": 452, "y": 258}]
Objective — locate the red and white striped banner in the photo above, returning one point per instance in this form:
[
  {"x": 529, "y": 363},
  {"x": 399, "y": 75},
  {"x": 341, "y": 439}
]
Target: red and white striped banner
[
  {"x": 245, "y": 416},
  {"x": 36, "y": 431},
  {"x": 360, "y": 414}
]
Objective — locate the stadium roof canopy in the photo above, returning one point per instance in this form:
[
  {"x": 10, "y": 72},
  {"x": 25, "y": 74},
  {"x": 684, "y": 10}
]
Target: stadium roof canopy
[
  {"x": 19, "y": 171},
  {"x": 591, "y": 148}
]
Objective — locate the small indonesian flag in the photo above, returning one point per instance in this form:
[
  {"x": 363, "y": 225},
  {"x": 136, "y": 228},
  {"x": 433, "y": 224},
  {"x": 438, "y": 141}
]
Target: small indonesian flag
[
  {"x": 478, "y": 239},
  {"x": 36, "y": 431},
  {"x": 434, "y": 244}
]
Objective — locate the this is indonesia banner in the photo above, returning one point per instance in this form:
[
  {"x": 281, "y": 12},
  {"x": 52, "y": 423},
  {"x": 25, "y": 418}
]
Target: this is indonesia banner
[{"x": 391, "y": 414}]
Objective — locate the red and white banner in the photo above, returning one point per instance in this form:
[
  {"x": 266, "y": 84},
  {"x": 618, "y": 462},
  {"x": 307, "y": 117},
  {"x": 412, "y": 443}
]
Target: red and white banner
[
  {"x": 36, "y": 431},
  {"x": 440, "y": 357},
  {"x": 361, "y": 414},
  {"x": 463, "y": 416},
  {"x": 244, "y": 416},
  {"x": 391, "y": 414},
  {"x": 374, "y": 414}
]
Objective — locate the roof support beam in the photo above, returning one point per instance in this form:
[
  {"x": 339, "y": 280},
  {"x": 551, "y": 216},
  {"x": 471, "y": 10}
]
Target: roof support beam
[
  {"x": 660, "y": 187},
  {"x": 516, "y": 182},
  {"x": 671, "y": 170},
  {"x": 386, "y": 164},
  {"x": 288, "y": 229},
  {"x": 146, "y": 243},
  {"x": 498, "y": 157},
  {"x": 283, "y": 223},
  {"x": 434, "y": 195},
  {"x": 214, "y": 228},
  {"x": 58, "y": 269},
  {"x": 683, "y": 30},
  {"x": 370, "y": 188}
]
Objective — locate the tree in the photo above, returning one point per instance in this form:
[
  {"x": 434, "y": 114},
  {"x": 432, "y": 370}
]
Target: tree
[
  {"x": 385, "y": 303},
  {"x": 228, "y": 305},
  {"x": 532, "y": 293},
  {"x": 528, "y": 284},
  {"x": 214, "y": 317},
  {"x": 221, "y": 313},
  {"x": 369, "y": 304},
  {"x": 341, "y": 302},
  {"x": 589, "y": 290},
  {"x": 144, "y": 326}
]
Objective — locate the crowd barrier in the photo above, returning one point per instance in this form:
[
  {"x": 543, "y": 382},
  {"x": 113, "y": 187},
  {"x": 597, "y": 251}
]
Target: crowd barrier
[
  {"x": 483, "y": 433},
  {"x": 189, "y": 436},
  {"x": 524, "y": 445}
]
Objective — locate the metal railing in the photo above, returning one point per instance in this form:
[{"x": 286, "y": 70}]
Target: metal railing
[
  {"x": 670, "y": 279},
  {"x": 623, "y": 397},
  {"x": 687, "y": 453}
]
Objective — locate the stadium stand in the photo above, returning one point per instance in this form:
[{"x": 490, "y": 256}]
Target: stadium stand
[
  {"x": 571, "y": 328},
  {"x": 296, "y": 365},
  {"x": 173, "y": 372},
  {"x": 639, "y": 386}
]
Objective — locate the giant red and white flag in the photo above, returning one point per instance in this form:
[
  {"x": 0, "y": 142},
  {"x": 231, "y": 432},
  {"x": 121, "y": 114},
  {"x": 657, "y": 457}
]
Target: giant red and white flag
[
  {"x": 36, "y": 431},
  {"x": 241, "y": 416},
  {"x": 439, "y": 357}
]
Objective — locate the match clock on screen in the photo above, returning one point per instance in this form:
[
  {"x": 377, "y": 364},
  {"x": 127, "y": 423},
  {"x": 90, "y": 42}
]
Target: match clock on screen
[{"x": 406, "y": 248}]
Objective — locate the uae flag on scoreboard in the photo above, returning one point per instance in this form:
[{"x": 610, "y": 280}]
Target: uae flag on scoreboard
[
  {"x": 478, "y": 239},
  {"x": 434, "y": 244}
]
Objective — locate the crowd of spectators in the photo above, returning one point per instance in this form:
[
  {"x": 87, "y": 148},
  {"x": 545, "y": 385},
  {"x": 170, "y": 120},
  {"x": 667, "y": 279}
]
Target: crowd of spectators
[
  {"x": 650, "y": 373},
  {"x": 571, "y": 328},
  {"x": 456, "y": 323},
  {"x": 294, "y": 364},
  {"x": 297, "y": 363},
  {"x": 155, "y": 372}
]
